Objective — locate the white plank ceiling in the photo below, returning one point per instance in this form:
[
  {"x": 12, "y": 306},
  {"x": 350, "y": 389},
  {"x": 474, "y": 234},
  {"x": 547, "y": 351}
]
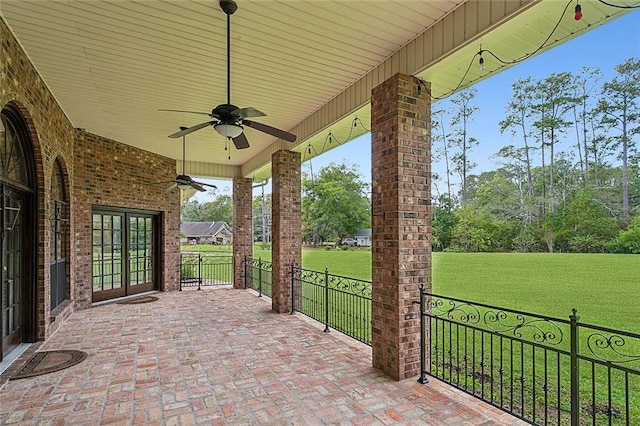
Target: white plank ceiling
[{"x": 308, "y": 64}]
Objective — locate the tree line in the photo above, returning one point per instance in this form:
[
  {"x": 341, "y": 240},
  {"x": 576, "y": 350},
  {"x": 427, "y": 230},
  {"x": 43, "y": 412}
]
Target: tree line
[{"x": 569, "y": 182}]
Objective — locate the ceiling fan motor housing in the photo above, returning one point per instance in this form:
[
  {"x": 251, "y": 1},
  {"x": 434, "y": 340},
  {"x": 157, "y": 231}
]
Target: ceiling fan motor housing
[
  {"x": 228, "y": 6},
  {"x": 227, "y": 113}
]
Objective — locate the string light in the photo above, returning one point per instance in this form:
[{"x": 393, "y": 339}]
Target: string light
[
  {"x": 578, "y": 12},
  {"x": 330, "y": 138},
  {"x": 503, "y": 62}
]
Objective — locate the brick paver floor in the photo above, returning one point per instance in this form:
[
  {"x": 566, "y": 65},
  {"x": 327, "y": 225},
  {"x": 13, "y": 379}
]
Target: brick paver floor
[{"x": 221, "y": 356}]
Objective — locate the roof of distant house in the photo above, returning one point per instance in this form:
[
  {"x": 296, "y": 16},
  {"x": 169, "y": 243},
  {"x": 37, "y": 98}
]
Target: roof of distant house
[
  {"x": 205, "y": 229},
  {"x": 363, "y": 232}
]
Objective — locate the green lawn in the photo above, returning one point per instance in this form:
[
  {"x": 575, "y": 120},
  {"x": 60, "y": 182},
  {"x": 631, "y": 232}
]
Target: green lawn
[{"x": 605, "y": 288}]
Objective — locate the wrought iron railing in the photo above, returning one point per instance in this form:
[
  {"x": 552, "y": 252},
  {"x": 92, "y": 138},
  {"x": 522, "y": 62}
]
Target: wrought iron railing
[
  {"x": 257, "y": 275},
  {"x": 205, "y": 269},
  {"x": 341, "y": 303},
  {"x": 544, "y": 370}
]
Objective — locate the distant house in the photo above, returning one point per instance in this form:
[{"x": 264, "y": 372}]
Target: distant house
[
  {"x": 363, "y": 237},
  {"x": 206, "y": 233}
]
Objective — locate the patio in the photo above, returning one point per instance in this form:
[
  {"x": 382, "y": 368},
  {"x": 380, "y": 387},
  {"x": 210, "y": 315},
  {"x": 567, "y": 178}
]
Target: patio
[{"x": 222, "y": 356}]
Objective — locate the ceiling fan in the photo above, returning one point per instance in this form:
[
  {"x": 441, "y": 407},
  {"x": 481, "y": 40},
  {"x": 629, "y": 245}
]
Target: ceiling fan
[
  {"x": 184, "y": 181},
  {"x": 228, "y": 120}
]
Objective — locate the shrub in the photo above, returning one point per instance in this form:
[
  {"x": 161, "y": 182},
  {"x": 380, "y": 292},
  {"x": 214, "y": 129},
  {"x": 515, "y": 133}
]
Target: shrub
[
  {"x": 628, "y": 241},
  {"x": 586, "y": 244}
]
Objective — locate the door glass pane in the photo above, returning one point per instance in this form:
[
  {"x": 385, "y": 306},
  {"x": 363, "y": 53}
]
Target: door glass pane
[
  {"x": 107, "y": 256},
  {"x": 12, "y": 270},
  {"x": 140, "y": 250}
]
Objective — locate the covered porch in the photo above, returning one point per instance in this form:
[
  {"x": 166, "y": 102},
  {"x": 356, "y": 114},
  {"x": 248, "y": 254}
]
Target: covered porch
[
  {"x": 81, "y": 84},
  {"x": 221, "y": 356}
]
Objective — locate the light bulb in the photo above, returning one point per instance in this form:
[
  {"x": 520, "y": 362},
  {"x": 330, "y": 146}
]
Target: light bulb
[{"x": 578, "y": 12}]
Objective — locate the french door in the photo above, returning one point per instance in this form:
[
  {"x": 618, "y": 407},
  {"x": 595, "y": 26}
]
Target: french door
[
  {"x": 13, "y": 268},
  {"x": 124, "y": 254},
  {"x": 18, "y": 235}
]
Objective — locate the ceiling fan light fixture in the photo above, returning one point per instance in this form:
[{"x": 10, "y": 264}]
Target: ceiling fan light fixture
[
  {"x": 184, "y": 186},
  {"x": 229, "y": 131}
]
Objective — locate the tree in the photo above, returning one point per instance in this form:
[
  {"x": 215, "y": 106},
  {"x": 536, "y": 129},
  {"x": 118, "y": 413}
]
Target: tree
[
  {"x": 191, "y": 211},
  {"x": 335, "y": 203},
  {"x": 443, "y": 223},
  {"x": 554, "y": 97},
  {"x": 474, "y": 229},
  {"x": 219, "y": 210},
  {"x": 584, "y": 86},
  {"x": 439, "y": 134},
  {"x": 460, "y": 138},
  {"x": 262, "y": 217},
  {"x": 515, "y": 162},
  {"x": 518, "y": 114},
  {"x": 620, "y": 109},
  {"x": 589, "y": 224},
  {"x": 628, "y": 241}
]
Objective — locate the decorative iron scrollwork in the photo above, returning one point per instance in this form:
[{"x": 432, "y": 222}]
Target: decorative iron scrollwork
[
  {"x": 349, "y": 285},
  {"x": 312, "y": 277},
  {"x": 536, "y": 329},
  {"x": 540, "y": 330},
  {"x": 608, "y": 348},
  {"x": 462, "y": 312}
]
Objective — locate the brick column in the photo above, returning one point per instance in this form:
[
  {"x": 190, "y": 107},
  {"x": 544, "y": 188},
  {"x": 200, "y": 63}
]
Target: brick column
[
  {"x": 401, "y": 231},
  {"x": 242, "y": 227},
  {"x": 286, "y": 227}
]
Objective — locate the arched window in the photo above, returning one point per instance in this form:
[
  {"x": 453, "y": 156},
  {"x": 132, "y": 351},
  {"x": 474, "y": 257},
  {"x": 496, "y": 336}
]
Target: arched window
[
  {"x": 17, "y": 228},
  {"x": 13, "y": 167},
  {"x": 59, "y": 238}
]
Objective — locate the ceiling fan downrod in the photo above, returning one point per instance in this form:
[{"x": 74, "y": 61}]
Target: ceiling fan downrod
[{"x": 229, "y": 7}]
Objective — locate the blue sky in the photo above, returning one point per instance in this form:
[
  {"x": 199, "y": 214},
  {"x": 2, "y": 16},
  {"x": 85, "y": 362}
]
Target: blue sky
[{"x": 603, "y": 47}]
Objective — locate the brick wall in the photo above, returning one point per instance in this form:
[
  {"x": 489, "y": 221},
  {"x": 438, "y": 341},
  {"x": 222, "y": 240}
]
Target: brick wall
[
  {"x": 401, "y": 231},
  {"x": 99, "y": 171},
  {"x": 112, "y": 174},
  {"x": 286, "y": 218},
  {"x": 242, "y": 227}
]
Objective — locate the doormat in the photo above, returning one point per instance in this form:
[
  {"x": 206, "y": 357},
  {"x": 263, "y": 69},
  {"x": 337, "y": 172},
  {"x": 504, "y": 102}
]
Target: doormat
[
  {"x": 144, "y": 299},
  {"x": 49, "y": 361}
]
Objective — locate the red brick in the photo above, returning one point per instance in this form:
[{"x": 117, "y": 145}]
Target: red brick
[
  {"x": 401, "y": 238},
  {"x": 286, "y": 225},
  {"x": 242, "y": 227}
]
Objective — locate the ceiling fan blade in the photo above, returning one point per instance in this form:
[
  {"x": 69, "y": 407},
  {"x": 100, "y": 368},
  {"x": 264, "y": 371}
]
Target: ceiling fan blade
[
  {"x": 171, "y": 187},
  {"x": 197, "y": 186},
  {"x": 179, "y": 110},
  {"x": 192, "y": 129},
  {"x": 281, "y": 134},
  {"x": 250, "y": 112},
  {"x": 208, "y": 184},
  {"x": 241, "y": 141}
]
